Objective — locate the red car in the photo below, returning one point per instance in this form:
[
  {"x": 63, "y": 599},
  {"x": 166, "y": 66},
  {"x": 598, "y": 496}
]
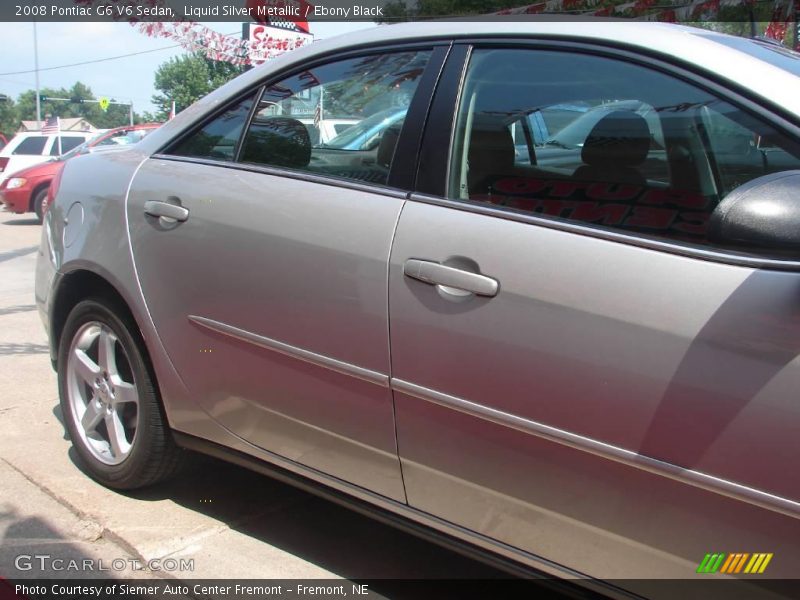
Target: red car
[{"x": 27, "y": 190}]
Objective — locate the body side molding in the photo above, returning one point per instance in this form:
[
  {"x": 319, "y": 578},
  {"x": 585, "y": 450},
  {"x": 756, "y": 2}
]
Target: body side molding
[
  {"x": 320, "y": 360},
  {"x": 633, "y": 459}
]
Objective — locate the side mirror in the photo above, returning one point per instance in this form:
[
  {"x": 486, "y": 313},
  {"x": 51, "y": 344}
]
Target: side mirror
[{"x": 764, "y": 212}]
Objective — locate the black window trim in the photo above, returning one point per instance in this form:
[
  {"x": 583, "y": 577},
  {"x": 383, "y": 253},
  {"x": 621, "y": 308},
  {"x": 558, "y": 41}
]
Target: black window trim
[
  {"x": 401, "y": 174},
  {"x": 433, "y": 169},
  {"x": 297, "y": 174},
  {"x": 248, "y": 121}
]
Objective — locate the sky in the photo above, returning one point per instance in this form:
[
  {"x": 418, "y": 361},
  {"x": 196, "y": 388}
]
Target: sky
[{"x": 125, "y": 79}]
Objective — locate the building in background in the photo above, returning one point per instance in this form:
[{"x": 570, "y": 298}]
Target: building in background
[{"x": 67, "y": 124}]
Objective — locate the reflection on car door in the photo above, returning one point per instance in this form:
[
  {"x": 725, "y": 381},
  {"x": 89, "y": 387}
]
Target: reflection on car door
[
  {"x": 269, "y": 291},
  {"x": 618, "y": 410},
  {"x": 260, "y": 286}
]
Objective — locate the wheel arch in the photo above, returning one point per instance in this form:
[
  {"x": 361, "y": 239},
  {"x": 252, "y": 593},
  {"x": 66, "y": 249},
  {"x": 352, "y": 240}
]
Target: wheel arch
[
  {"x": 44, "y": 185},
  {"x": 79, "y": 285}
]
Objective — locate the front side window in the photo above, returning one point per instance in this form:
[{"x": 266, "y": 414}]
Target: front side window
[
  {"x": 219, "y": 137},
  {"x": 606, "y": 142},
  {"x": 341, "y": 119}
]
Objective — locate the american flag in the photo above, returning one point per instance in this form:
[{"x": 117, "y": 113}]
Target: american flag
[
  {"x": 317, "y": 115},
  {"x": 51, "y": 125},
  {"x": 318, "y": 110}
]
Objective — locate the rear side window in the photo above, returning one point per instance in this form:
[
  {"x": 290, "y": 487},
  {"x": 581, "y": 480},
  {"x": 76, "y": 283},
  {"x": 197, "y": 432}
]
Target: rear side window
[
  {"x": 342, "y": 119},
  {"x": 67, "y": 144},
  {"x": 218, "y": 139},
  {"x": 31, "y": 145},
  {"x": 605, "y": 142}
]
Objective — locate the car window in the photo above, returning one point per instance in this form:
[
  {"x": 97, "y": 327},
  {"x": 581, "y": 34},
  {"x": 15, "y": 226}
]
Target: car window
[
  {"x": 67, "y": 143},
  {"x": 31, "y": 145},
  {"x": 366, "y": 134},
  {"x": 640, "y": 151},
  {"x": 337, "y": 127},
  {"x": 369, "y": 95},
  {"x": 219, "y": 137},
  {"x": 113, "y": 140},
  {"x": 124, "y": 137}
]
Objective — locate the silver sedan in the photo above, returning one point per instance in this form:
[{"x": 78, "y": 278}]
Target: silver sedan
[{"x": 581, "y": 359}]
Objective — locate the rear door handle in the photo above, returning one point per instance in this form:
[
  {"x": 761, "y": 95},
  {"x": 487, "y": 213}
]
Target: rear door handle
[
  {"x": 438, "y": 274},
  {"x": 154, "y": 208}
]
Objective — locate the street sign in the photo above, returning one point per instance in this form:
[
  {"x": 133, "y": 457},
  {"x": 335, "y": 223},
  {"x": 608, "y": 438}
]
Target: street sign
[{"x": 103, "y": 103}]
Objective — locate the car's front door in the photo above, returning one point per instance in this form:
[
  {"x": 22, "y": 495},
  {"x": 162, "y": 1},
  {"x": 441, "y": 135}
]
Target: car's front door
[
  {"x": 574, "y": 375},
  {"x": 264, "y": 267}
]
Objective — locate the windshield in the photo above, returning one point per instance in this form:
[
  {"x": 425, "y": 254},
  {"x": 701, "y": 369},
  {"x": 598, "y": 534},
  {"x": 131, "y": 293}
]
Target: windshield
[
  {"x": 124, "y": 138},
  {"x": 356, "y": 136},
  {"x": 770, "y": 52}
]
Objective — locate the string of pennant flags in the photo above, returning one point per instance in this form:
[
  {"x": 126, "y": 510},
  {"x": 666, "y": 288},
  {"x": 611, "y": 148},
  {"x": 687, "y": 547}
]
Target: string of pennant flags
[{"x": 196, "y": 37}]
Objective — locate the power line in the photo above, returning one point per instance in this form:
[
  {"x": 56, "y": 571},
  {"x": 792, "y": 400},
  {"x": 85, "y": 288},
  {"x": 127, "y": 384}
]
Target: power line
[
  {"x": 99, "y": 60},
  {"x": 88, "y": 62}
]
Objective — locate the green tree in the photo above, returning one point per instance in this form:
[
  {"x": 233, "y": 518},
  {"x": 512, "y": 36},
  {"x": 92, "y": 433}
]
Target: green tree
[
  {"x": 188, "y": 78},
  {"x": 9, "y": 119},
  {"x": 75, "y": 105}
]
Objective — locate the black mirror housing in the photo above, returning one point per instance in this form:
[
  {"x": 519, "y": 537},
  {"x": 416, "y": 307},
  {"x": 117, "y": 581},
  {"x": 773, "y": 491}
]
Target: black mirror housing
[{"x": 764, "y": 212}]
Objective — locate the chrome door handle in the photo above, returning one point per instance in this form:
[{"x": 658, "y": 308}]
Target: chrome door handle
[
  {"x": 438, "y": 274},
  {"x": 154, "y": 208}
]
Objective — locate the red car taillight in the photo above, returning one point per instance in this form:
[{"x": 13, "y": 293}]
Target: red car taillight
[{"x": 3, "y": 163}]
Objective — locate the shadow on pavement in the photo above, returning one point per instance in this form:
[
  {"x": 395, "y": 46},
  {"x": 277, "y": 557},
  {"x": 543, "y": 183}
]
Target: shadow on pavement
[
  {"x": 319, "y": 531},
  {"x": 11, "y": 348},
  {"x": 20, "y": 308},
  {"x": 29, "y": 546},
  {"x": 32, "y": 221},
  {"x": 60, "y": 418}
]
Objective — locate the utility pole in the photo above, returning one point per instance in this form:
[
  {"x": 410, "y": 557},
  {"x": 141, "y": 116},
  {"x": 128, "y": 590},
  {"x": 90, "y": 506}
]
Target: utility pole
[
  {"x": 36, "y": 70},
  {"x": 130, "y": 112}
]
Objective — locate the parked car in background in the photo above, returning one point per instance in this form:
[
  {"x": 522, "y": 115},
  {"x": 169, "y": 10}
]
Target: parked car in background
[
  {"x": 325, "y": 130},
  {"x": 366, "y": 133},
  {"x": 121, "y": 136},
  {"x": 30, "y": 148},
  {"x": 27, "y": 190},
  {"x": 586, "y": 366}
]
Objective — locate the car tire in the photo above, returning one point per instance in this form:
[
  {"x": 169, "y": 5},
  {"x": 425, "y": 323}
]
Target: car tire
[
  {"x": 40, "y": 204},
  {"x": 109, "y": 399}
]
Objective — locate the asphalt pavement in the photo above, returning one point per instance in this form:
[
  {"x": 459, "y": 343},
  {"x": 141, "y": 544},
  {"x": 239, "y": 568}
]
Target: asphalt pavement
[{"x": 214, "y": 521}]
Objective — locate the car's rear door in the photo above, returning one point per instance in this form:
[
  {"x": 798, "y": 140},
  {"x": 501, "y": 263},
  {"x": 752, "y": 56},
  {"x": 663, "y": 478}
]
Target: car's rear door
[
  {"x": 269, "y": 290},
  {"x": 578, "y": 374}
]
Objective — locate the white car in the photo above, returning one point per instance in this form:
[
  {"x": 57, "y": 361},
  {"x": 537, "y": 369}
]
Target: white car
[
  {"x": 27, "y": 149},
  {"x": 327, "y": 129}
]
